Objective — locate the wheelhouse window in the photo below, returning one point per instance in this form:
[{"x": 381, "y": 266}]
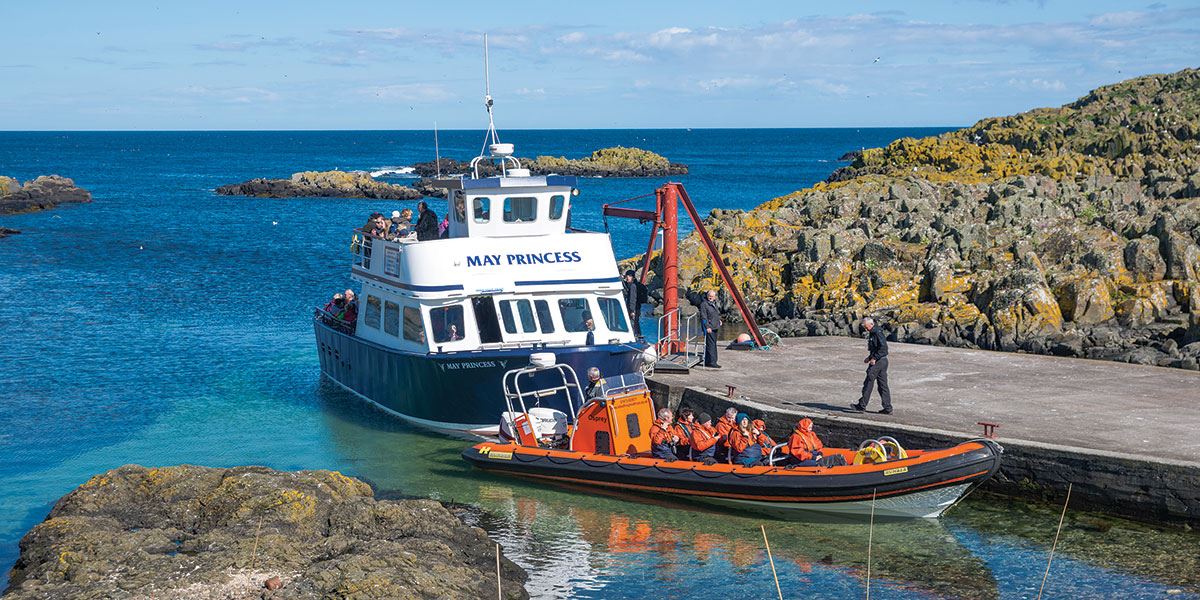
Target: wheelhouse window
[
  {"x": 482, "y": 209},
  {"x": 614, "y": 315},
  {"x": 575, "y": 313},
  {"x": 557, "y": 202},
  {"x": 543, "y": 314},
  {"x": 520, "y": 210},
  {"x": 447, "y": 323},
  {"x": 374, "y": 308},
  {"x": 414, "y": 329},
  {"x": 513, "y": 310},
  {"x": 391, "y": 318}
]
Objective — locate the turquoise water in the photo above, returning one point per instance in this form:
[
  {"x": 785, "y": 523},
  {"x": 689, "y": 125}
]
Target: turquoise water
[{"x": 162, "y": 324}]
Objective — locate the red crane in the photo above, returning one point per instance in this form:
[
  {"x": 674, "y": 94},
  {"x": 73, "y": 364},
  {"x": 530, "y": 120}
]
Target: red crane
[{"x": 666, "y": 217}]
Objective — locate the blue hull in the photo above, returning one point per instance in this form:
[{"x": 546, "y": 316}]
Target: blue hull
[{"x": 448, "y": 390}]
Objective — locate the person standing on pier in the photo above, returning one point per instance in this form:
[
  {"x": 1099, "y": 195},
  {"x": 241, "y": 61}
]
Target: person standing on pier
[
  {"x": 710, "y": 320},
  {"x": 877, "y": 365},
  {"x": 635, "y": 297}
]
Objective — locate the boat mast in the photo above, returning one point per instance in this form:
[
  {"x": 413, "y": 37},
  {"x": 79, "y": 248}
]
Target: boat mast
[{"x": 437, "y": 154}]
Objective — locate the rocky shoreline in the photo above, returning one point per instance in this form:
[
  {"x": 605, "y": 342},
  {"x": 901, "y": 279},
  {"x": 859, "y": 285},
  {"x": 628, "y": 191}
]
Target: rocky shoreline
[
  {"x": 325, "y": 184},
  {"x": 43, "y": 193},
  {"x": 617, "y": 161},
  {"x": 1072, "y": 231},
  {"x": 252, "y": 532}
]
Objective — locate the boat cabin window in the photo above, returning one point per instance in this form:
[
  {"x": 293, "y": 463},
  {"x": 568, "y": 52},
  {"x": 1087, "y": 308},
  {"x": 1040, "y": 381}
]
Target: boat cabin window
[
  {"x": 447, "y": 323},
  {"x": 543, "y": 314},
  {"x": 575, "y": 313},
  {"x": 557, "y": 202},
  {"x": 482, "y": 208},
  {"x": 614, "y": 315},
  {"x": 520, "y": 210},
  {"x": 414, "y": 329},
  {"x": 524, "y": 312},
  {"x": 371, "y": 315},
  {"x": 391, "y": 318},
  {"x": 485, "y": 319}
]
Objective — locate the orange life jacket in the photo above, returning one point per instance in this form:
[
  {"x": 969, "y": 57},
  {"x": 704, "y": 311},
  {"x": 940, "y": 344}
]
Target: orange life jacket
[
  {"x": 681, "y": 430},
  {"x": 724, "y": 426},
  {"x": 738, "y": 442},
  {"x": 802, "y": 444},
  {"x": 661, "y": 432},
  {"x": 703, "y": 437}
]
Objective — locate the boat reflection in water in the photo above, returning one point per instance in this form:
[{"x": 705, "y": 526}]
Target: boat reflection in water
[{"x": 614, "y": 545}]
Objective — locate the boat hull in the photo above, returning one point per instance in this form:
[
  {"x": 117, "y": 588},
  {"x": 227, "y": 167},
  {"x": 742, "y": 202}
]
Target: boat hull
[
  {"x": 452, "y": 391},
  {"x": 923, "y": 486}
]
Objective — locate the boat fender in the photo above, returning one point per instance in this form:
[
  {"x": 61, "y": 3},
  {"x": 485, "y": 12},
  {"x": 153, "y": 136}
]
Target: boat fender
[{"x": 870, "y": 455}]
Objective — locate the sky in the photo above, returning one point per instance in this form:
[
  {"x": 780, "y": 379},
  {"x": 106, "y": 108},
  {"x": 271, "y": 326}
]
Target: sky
[{"x": 134, "y": 65}]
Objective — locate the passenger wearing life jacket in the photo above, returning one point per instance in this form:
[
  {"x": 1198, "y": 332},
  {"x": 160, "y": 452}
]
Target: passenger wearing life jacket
[
  {"x": 804, "y": 446},
  {"x": 725, "y": 425},
  {"x": 743, "y": 443},
  {"x": 764, "y": 440},
  {"x": 683, "y": 430},
  {"x": 662, "y": 436},
  {"x": 704, "y": 440}
]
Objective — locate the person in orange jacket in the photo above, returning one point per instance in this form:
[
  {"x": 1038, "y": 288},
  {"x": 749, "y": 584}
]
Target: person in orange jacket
[
  {"x": 743, "y": 443},
  {"x": 662, "y": 436},
  {"x": 725, "y": 425},
  {"x": 704, "y": 440},
  {"x": 760, "y": 434},
  {"x": 804, "y": 446},
  {"x": 683, "y": 430}
]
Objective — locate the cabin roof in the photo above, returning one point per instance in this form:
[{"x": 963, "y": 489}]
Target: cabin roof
[{"x": 466, "y": 183}]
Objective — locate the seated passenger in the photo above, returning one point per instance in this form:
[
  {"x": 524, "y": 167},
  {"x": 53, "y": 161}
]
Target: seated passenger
[
  {"x": 595, "y": 386},
  {"x": 401, "y": 224},
  {"x": 662, "y": 437},
  {"x": 704, "y": 440},
  {"x": 350, "y": 315},
  {"x": 683, "y": 430},
  {"x": 804, "y": 447},
  {"x": 764, "y": 440},
  {"x": 376, "y": 226},
  {"x": 725, "y": 424},
  {"x": 743, "y": 443},
  {"x": 334, "y": 307}
]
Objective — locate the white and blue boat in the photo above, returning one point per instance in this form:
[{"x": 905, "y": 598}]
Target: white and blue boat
[{"x": 440, "y": 321}]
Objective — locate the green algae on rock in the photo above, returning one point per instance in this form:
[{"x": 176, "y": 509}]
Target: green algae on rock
[
  {"x": 1072, "y": 231},
  {"x": 199, "y": 532}
]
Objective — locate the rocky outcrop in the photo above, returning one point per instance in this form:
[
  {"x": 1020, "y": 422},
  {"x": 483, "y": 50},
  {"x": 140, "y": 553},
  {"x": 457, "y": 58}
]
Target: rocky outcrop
[
  {"x": 43, "y": 193},
  {"x": 326, "y": 184},
  {"x": 618, "y": 161},
  {"x": 1071, "y": 231},
  {"x": 251, "y": 532}
]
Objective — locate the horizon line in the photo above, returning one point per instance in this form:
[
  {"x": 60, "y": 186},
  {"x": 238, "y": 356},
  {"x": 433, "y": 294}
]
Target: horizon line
[{"x": 476, "y": 129}]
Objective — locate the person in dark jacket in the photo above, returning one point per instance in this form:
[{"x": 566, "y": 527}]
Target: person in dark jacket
[
  {"x": 635, "y": 297},
  {"x": 710, "y": 321},
  {"x": 427, "y": 222},
  {"x": 877, "y": 365}
]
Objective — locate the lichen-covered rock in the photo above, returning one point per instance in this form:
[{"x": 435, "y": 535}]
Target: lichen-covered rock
[
  {"x": 42, "y": 193},
  {"x": 1073, "y": 230},
  {"x": 326, "y": 184},
  {"x": 198, "y": 532}
]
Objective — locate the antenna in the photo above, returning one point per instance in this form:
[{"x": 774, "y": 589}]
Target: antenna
[
  {"x": 491, "y": 137},
  {"x": 437, "y": 154}
]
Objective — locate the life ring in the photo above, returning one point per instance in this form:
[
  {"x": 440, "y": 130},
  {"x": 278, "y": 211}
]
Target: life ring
[
  {"x": 889, "y": 443},
  {"x": 870, "y": 452}
]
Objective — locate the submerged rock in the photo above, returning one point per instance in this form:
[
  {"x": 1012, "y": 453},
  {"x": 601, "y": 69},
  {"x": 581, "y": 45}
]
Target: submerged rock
[
  {"x": 45, "y": 192},
  {"x": 327, "y": 184},
  {"x": 251, "y": 532}
]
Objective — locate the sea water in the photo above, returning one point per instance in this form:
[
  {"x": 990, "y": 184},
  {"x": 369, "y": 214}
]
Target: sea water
[{"x": 163, "y": 324}]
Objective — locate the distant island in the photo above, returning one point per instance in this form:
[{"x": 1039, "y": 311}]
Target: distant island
[
  {"x": 43, "y": 193},
  {"x": 607, "y": 162},
  {"x": 1072, "y": 231}
]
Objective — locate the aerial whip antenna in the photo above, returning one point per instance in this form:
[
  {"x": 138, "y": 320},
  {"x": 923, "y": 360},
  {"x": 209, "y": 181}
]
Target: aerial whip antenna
[{"x": 437, "y": 154}]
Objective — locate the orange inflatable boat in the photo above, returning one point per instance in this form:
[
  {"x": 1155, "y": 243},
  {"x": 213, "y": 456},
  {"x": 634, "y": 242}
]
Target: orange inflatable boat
[{"x": 606, "y": 443}]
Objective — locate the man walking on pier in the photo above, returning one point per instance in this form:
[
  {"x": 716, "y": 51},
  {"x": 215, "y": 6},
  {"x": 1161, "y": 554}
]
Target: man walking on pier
[
  {"x": 877, "y": 364},
  {"x": 710, "y": 320}
]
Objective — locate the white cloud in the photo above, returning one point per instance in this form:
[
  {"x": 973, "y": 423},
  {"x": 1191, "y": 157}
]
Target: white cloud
[{"x": 409, "y": 92}]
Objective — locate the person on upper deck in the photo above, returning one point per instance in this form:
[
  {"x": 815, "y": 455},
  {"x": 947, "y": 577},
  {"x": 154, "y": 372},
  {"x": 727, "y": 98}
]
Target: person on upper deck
[
  {"x": 743, "y": 443},
  {"x": 804, "y": 447},
  {"x": 401, "y": 224},
  {"x": 376, "y": 225},
  {"x": 704, "y": 440},
  {"x": 683, "y": 430},
  {"x": 595, "y": 386},
  {"x": 427, "y": 222},
  {"x": 662, "y": 436}
]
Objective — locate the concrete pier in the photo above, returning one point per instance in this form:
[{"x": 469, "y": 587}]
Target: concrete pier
[{"x": 1126, "y": 436}]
